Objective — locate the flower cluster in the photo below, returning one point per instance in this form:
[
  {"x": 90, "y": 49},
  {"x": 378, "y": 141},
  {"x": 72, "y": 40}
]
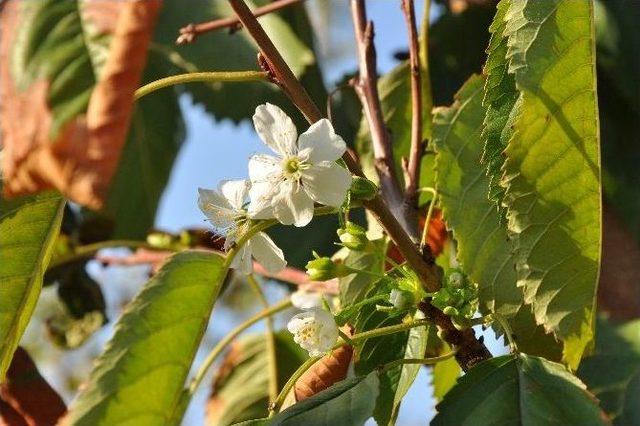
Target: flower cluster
[
  {"x": 458, "y": 297},
  {"x": 283, "y": 186}
]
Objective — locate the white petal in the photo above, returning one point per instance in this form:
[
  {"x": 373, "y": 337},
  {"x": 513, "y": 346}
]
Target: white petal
[
  {"x": 321, "y": 143},
  {"x": 265, "y": 174},
  {"x": 264, "y": 168},
  {"x": 217, "y": 208},
  {"x": 276, "y": 129},
  {"x": 327, "y": 183},
  {"x": 242, "y": 261},
  {"x": 297, "y": 321},
  {"x": 292, "y": 205},
  {"x": 235, "y": 191},
  {"x": 304, "y": 299},
  {"x": 267, "y": 253}
]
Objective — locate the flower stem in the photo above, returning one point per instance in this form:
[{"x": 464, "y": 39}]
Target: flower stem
[
  {"x": 270, "y": 341},
  {"x": 274, "y": 407},
  {"x": 207, "y": 77},
  {"x": 427, "y": 221},
  {"x": 217, "y": 350}
]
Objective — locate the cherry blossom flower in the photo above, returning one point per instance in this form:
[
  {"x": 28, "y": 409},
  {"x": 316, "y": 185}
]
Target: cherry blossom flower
[
  {"x": 304, "y": 171},
  {"x": 225, "y": 209},
  {"x": 315, "y": 331}
]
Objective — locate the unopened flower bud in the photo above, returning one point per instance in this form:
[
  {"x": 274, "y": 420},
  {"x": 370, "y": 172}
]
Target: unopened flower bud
[
  {"x": 353, "y": 236},
  {"x": 323, "y": 269},
  {"x": 363, "y": 189}
]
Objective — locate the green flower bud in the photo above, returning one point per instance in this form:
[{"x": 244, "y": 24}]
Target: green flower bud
[
  {"x": 323, "y": 269},
  {"x": 160, "y": 240},
  {"x": 363, "y": 189},
  {"x": 451, "y": 311},
  {"x": 353, "y": 236}
]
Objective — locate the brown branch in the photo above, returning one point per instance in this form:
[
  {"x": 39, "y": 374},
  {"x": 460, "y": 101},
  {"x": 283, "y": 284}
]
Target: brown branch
[
  {"x": 426, "y": 269},
  {"x": 366, "y": 87},
  {"x": 190, "y": 32},
  {"x": 417, "y": 145}
]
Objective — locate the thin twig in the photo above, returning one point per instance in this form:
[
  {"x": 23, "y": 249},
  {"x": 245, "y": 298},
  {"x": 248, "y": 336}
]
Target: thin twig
[
  {"x": 365, "y": 85},
  {"x": 190, "y": 32},
  {"x": 417, "y": 145}
]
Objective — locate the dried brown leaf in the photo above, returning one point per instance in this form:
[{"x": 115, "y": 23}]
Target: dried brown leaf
[
  {"x": 83, "y": 158},
  {"x": 619, "y": 289},
  {"x": 28, "y": 398},
  {"x": 327, "y": 371}
]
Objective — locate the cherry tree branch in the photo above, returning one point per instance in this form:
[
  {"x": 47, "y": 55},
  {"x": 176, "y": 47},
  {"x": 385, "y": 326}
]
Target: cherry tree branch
[
  {"x": 365, "y": 85},
  {"x": 425, "y": 268},
  {"x": 417, "y": 144},
  {"x": 189, "y": 33}
]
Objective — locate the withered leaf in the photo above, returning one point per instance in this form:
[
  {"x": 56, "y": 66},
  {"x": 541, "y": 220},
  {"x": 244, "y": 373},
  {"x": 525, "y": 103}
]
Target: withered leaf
[
  {"x": 27, "y": 398},
  {"x": 68, "y": 72}
]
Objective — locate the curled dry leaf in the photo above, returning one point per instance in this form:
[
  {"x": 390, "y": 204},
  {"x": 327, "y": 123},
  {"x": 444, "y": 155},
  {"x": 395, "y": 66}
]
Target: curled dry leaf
[
  {"x": 327, "y": 371},
  {"x": 26, "y": 398},
  {"x": 76, "y": 154}
]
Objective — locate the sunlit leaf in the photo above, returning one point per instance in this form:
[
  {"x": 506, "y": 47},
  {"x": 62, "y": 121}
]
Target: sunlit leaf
[
  {"x": 484, "y": 248},
  {"x": 552, "y": 167},
  {"x": 28, "y": 229},
  {"x": 140, "y": 376}
]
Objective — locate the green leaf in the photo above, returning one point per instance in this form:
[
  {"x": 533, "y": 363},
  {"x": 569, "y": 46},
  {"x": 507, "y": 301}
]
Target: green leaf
[
  {"x": 155, "y": 136},
  {"x": 500, "y": 97},
  {"x": 354, "y": 287},
  {"x": 28, "y": 229},
  {"x": 221, "y": 51},
  {"x": 349, "y": 402},
  {"x": 484, "y": 248},
  {"x": 519, "y": 390},
  {"x": 140, "y": 376},
  {"x": 378, "y": 351},
  {"x": 416, "y": 347},
  {"x": 612, "y": 373},
  {"x": 444, "y": 376},
  {"x": 240, "y": 390},
  {"x": 552, "y": 167}
]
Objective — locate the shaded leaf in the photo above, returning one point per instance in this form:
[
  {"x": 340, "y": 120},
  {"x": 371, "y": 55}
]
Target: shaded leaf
[
  {"x": 613, "y": 371},
  {"x": 142, "y": 372},
  {"x": 552, "y": 167},
  {"x": 63, "y": 120},
  {"x": 241, "y": 385},
  {"x": 28, "y": 394},
  {"x": 354, "y": 287},
  {"x": 378, "y": 351},
  {"x": 222, "y": 51},
  {"x": 28, "y": 228},
  {"x": 350, "y": 402},
  {"x": 518, "y": 389}
]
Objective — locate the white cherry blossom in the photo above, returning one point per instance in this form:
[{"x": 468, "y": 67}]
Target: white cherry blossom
[
  {"x": 303, "y": 171},
  {"x": 226, "y": 210},
  {"x": 315, "y": 331}
]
